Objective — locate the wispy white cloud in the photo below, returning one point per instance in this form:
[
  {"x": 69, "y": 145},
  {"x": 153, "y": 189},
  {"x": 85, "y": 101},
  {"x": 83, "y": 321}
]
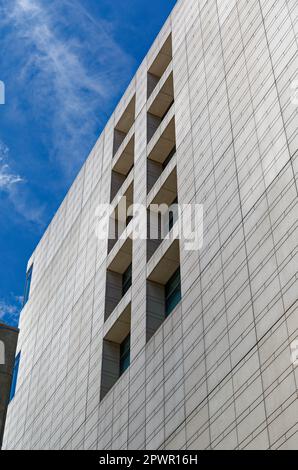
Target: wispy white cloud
[
  {"x": 9, "y": 312},
  {"x": 21, "y": 208},
  {"x": 7, "y": 177},
  {"x": 71, "y": 68},
  {"x": 28, "y": 208},
  {"x": 68, "y": 71},
  {"x": 23, "y": 201},
  {"x": 19, "y": 299}
]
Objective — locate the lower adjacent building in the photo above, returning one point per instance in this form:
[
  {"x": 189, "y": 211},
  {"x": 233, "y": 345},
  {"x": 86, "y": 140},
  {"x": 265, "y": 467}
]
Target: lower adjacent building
[
  {"x": 157, "y": 343},
  {"x": 8, "y": 370}
]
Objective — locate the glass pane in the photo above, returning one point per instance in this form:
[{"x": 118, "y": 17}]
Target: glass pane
[
  {"x": 125, "y": 345},
  {"x": 173, "y": 300},
  {"x": 27, "y": 285},
  {"x": 124, "y": 363},
  {"x": 171, "y": 220},
  {"x": 173, "y": 214},
  {"x": 173, "y": 292},
  {"x": 125, "y": 354},
  {"x": 15, "y": 377},
  {"x": 126, "y": 280},
  {"x": 173, "y": 283}
]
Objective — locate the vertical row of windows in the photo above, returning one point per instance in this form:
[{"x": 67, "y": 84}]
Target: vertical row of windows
[
  {"x": 116, "y": 343},
  {"x": 15, "y": 377},
  {"x": 164, "y": 282},
  {"x": 164, "y": 288}
]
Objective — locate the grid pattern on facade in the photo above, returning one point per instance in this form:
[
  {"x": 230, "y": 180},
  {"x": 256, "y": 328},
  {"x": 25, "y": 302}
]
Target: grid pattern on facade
[{"x": 217, "y": 372}]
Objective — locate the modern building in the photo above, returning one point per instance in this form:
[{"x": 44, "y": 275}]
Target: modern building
[
  {"x": 135, "y": 344},
  {"x": 8, "y": 370}
]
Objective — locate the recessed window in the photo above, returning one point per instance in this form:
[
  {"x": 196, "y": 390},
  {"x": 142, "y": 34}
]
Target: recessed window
[
  {"x": 126, "y": 280},
  {"x": 120, "y": 217},
  {"x": 162, "y": 213},
  {"x": 173, "y": 292},
  {"x": 159, "y": 66},
  {"x": 122, "y": 167},
  {"x": 27, "y": 285},
  {"x": 161, "y": 154},
  {"x": 163, "y": 292},
  {"x": 125, "y": 355},
  {"x": 160, "y": 107},
  {"x": 117, "y": 181},
  {"x": 124, "y": 124},
  {"x": 15, "y": 377},
  {"x": 118, "y": 280},
  {"x": 173, "y": 214},
  {"x": 169, "y": 157},
  {"x": 116, "y": 351}
]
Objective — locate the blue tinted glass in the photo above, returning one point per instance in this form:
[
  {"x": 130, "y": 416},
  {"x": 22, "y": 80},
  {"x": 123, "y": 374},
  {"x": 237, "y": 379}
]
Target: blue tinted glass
[
  {"x": 15, "y": 377},
  {"x": 173, "y": 292},
  {"x": 124, "y": 364},
  {"x": 125, "y": 354},
  {"x": 27, "y": 285},
  {"x": 172, "y": 301}
]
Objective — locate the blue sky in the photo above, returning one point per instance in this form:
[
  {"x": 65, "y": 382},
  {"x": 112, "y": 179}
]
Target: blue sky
[{"x": 65, "y": 64}]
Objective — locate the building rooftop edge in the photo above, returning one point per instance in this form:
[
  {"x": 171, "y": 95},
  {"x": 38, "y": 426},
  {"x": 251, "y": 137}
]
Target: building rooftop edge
[{"x": 9, "y": 327}]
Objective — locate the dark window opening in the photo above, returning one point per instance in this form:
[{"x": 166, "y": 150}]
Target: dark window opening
[
  {"x": 159, "y": 66},
  {"x": 124, "y": 355},
  {"x": 166, "y": 111},
  {"x": 172, "y": 215},
  {"x": 27, "y": 285},
  {"x": 128, "y": 220},
  {"x": 169, "y": 157},
  {"x": 126, "y": 280},
  {"x": 173, "y": 292},
  {"x": 15, "y": 377}
]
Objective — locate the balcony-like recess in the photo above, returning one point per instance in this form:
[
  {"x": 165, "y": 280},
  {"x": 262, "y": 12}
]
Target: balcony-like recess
[
  {"x": 159, "y": 65},
  {"x": 124, "y": 125}
]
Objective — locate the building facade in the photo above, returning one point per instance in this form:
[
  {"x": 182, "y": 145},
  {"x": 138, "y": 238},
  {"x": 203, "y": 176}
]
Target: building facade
[
  {"x": 8, "y": 344},
  {"x": 135, "y": 344}
]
